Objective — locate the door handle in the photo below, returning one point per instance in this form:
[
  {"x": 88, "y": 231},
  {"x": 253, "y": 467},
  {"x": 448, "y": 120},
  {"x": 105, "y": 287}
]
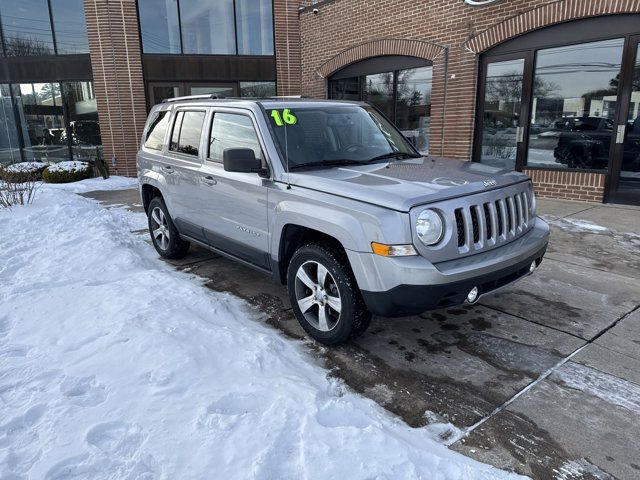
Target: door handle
[
  {"x": 209, "y": 180},
  {"x": 168, "y": 169},
  {"x": 622, "y": 129},
  {"x": 519, "y": 134}
]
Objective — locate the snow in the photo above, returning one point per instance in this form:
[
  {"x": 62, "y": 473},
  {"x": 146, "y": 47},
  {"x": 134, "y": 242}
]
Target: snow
[
  {"x": 69, "y": 166},
  {"x": 574, "y": 224},
  {"x": 113, "y": 365},
  {"x": 25, "y": 167}
]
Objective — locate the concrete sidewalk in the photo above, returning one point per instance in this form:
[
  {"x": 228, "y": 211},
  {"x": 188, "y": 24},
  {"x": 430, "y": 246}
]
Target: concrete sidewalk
[{"x": 542, "y": 378}]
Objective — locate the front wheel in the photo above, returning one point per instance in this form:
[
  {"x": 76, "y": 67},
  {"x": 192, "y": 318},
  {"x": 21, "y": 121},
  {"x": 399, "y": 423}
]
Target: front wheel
[
  {"x": 164, "y": 235},
  {"x": 324, "y": 295}
]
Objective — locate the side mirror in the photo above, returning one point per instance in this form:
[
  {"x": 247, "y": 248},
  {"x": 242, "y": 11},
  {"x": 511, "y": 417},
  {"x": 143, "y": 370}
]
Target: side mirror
[{"x": 241, "y": 160}]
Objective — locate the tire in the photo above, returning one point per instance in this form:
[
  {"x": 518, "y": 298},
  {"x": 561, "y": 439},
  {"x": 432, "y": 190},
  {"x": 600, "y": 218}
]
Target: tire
[
  {"x": 164, "y": 235},
  {"x": 339, "y": 289}
]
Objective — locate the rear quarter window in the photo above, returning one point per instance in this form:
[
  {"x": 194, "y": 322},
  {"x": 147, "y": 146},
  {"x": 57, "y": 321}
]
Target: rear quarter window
[
  {"x": 157, "y": 131},
  {"x": 187, "y": 132}
]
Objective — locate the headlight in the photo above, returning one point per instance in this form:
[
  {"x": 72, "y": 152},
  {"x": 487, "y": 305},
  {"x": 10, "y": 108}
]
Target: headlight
[
  {"x": 430, "y": 227},
  {"x": 534, "y": 202}
]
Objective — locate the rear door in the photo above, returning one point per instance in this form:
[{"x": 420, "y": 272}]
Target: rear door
[
  {"x": 182, "y": 167},
  {"x": 232, "y": 206}
]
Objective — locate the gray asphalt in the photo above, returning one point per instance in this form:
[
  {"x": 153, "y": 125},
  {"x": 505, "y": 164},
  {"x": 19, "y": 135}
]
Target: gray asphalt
[{"x": 542, "y": 378}]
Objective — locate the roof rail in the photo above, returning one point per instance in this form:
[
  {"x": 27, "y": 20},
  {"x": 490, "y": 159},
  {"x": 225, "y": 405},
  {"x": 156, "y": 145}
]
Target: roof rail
[{"x": 208, "y": 96}]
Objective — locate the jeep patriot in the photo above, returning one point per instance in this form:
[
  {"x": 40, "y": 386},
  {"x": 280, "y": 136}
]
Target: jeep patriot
[{"x": 331, "y": 200}]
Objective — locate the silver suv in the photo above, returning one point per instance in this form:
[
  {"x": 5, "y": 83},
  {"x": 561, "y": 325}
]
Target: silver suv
[{"x": 330, "y": 199}]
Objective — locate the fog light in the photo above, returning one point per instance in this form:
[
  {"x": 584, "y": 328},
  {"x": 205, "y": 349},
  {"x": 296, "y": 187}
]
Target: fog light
[
  {"x": 473, "y": 295},
  {"x": 532, "y": 267}
]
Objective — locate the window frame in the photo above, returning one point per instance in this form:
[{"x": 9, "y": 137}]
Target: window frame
[
  {"x": 181, "y": 155},
  {"x": 246, "y": 113}
]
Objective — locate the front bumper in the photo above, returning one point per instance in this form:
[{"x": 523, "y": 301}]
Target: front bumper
[{"x": 394, "y": 287}]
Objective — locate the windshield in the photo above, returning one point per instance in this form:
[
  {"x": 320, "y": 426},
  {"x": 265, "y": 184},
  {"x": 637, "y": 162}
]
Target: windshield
[{"x": 336, "y": 135}]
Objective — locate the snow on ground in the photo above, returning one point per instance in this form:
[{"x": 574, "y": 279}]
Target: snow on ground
[{"x": 113, "y": 365}]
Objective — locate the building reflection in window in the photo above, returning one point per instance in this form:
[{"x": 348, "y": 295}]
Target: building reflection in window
[
  {"x": 413, "y": 105},
  {"x": 42, "y": 121},
  {"x": 69, "y": 26},
  {"x": 208, "y": 27},
  {"x": 254, "y": 27},
  {"x": 9, "y": 141},
  {"x": 574, "y": 105},
  {"x": 403, "y": 96},
  {"x": 159, "y": 26},
  {"x": 258, "y": 89},
  {"x": 501, "y": 114},
  {"x": 26, "y": 27},
  {"x": 83, "y": 129}
]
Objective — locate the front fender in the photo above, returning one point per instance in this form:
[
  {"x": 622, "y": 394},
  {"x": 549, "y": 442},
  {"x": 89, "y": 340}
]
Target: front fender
[{"x": 355, "y": 225}]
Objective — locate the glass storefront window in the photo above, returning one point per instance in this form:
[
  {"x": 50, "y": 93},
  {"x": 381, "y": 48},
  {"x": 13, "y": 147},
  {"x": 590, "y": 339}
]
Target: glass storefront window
[
  {"x": 345, "y": 89},
  {"x": 402, "y": 95},
  {"x": 222, "y": 90},
  {"x": 159, "y": 26},
  {"x": 82, "y": 111},
  {"x": 26, "y": 27},
  {"x": 574, "y": 105},
  {"x": 254, "y": 24},
  {"x": 69, "y": 26},
  {"x": 48, "y": 122},
  {"x": 42, "y": 122},
  {"x": 501, "y": 115},
  {"x": 258, "y": 89},
  {"x": 9, "y": 142},
  {"x": 413, "y": 105},
  {"x": 378, "y": 91},
  {"x": 208, "y": 27},
  {"x": 629, "y": 182}
]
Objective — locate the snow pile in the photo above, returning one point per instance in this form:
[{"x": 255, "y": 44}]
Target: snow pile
[
  {"x": 25, "y": 167},
  {"x": 114, "y": 365},
  {"x": 69, "y": 166}
]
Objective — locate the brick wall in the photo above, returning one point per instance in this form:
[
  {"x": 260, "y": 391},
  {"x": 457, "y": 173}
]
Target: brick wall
[
  {"x": 343, "y": 26},
  {"x": 287, "y": 45},
  {"x": 587, "y": 187},
  {"x": 114, "y": 45}
]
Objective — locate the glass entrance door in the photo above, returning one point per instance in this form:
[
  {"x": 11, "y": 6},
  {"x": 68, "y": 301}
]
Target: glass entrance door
[
  {"x": 500, "y": 113},
  {"x": 625, "y": 172}
]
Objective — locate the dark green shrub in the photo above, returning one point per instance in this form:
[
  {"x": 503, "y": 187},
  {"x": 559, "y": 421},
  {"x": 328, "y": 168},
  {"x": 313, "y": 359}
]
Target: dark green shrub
[
  {"x": 66, "y": 172},
  {"x": 22, "y": 172}
]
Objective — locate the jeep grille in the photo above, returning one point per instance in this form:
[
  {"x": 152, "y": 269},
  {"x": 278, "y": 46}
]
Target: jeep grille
[{"x": 490, "y": 223}]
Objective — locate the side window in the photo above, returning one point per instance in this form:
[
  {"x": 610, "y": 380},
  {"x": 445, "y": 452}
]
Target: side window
[
  {"x": 157, "y": 130},
  {"x": 187, "y": 130},
  {"x": 232, "y": 130}
]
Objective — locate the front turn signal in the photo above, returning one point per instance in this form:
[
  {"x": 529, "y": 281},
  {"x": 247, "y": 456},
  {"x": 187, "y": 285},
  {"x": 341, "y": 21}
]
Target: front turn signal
[{"x": 393, "y": 250}]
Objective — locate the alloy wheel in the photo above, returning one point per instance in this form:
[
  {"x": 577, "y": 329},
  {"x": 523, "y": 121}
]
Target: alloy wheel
[
  {"x": 160, "y": 230},
  {"x": 318, "y": 296}
]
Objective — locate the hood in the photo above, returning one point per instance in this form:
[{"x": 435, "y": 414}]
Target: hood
[{"x": 401, "y": 185}]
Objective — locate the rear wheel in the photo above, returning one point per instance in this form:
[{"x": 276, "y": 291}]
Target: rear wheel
[
  {"x": 164, "y": 235},
  {"x": 324, "y": 295}
]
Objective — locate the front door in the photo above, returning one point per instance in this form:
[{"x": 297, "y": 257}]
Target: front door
[
  {"x": 624, "y": 186},
  {"x": 502, "y": 110},
  {"x": 232, "y": 206}
]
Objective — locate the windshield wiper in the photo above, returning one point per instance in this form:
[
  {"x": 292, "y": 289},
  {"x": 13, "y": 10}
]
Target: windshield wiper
[
  {"x": 327, "y": 163},
  {"x": 394, "y": 155}
]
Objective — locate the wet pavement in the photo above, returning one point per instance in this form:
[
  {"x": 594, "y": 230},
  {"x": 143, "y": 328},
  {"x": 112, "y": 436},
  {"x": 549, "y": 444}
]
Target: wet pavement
[{"x": 542, "y": 378}]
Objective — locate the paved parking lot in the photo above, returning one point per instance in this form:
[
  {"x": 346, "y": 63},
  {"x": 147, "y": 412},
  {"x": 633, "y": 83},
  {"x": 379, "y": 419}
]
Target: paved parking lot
[{"x": 542, "y": 378}]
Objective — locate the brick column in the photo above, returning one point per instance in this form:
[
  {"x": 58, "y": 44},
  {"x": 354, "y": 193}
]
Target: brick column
[
  {"x": 287, "y": 43},
  {"x": 114, "y": 45}
]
